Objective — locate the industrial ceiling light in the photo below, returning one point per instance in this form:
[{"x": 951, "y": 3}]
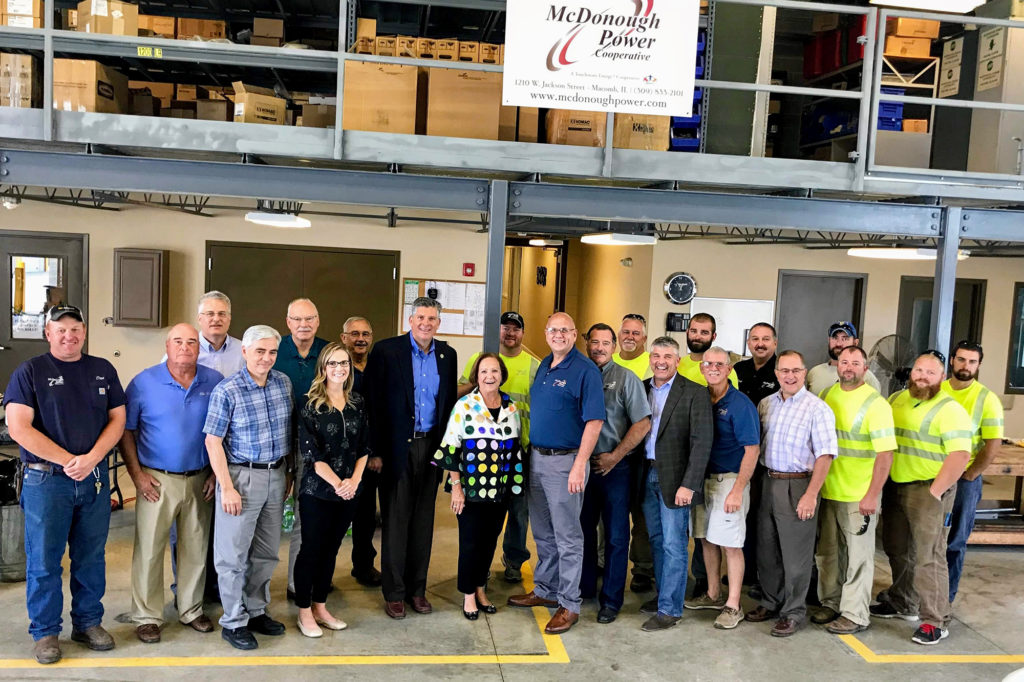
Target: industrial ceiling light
[
  {"x": 546, "y": 242},
  {"x": 900, "y": 253},
  {"x": 615, "y": 239},
  {"x": 951, "y": 6},
  {"x": 286, "y": 220}
]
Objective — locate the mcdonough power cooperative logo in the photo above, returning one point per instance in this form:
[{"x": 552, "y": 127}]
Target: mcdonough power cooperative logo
[{"x": 615, "y": 33}]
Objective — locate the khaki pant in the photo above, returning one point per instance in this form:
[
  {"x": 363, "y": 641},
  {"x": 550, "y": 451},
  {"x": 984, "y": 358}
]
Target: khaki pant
[
  {"x": 181, "y": 500},
  {"x": 845, "y": 559},
  {"x": 914, "y": 534}
]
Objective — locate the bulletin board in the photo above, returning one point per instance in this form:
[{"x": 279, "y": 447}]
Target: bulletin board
[{"x": 462, "y": 304}]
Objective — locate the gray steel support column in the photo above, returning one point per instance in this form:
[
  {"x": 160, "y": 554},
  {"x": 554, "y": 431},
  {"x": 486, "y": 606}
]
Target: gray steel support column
[
  {"x": 48, "y": 70},
  {"x": 343, "y": 31},
  {"x": 496, "y": 221},
  {"x": 945, "y": 281}
]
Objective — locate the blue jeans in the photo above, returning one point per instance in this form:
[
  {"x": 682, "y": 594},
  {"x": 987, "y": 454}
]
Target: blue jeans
[
  {"x": 607, "y": 498},
  {"x": 670, "y": 534},
  {"x": 59, "y": 513},
  {"x": 965, "y": 505}
]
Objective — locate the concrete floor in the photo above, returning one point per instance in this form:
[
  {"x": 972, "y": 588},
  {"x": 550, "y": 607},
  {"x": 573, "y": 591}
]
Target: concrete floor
[{"x": 986, "y": 641}]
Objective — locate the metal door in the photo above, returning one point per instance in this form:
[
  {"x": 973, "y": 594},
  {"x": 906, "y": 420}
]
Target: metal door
[
  {"x": 808, "y": 302},
  {"x": 914, "y": 319}
]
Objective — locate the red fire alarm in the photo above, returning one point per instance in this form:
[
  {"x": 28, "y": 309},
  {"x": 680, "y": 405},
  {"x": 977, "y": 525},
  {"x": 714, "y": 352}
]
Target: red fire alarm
[{"x": 468, "y": 269}]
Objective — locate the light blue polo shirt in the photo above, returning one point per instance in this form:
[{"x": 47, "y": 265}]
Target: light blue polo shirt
[{"x": 168, "y": 419}]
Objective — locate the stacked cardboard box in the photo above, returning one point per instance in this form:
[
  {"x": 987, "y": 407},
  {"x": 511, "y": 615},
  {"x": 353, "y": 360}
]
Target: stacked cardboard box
[
  {"x": 910, "y": 37},
  {"x": 201, "y": 28},
  {"x": 163, "y": 93},
  {"x": 160, "y": 27},
  {"x": 87, "y": 85},
  {"x": 20, "y": 81},
  {"x": 68, "y": 20},
  {"x": 366, "y": 36},
  {"x": 464, "y": 103},
  {"x": 385, "y": 98},
  {"x": 258, "y": 105},
  {"x": 108, "y": 16},
  {"x": 267, "y": 32},
  {"x": 21, "y": 13}
]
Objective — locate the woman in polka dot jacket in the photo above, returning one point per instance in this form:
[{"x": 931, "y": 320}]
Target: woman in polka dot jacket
[{"x": 481, "y": 450}]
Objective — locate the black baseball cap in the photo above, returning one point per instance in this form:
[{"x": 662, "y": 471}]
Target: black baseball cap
[
  {"x": 846, "y": 327},
  {"x": 512, "y": 317},
  {"x": 59, "y": 311}
]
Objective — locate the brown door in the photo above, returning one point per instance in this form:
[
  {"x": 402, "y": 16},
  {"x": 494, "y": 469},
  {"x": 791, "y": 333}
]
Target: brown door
[
  {"x": 262, "y": 279},
  {"x": 37, "y": 270}
]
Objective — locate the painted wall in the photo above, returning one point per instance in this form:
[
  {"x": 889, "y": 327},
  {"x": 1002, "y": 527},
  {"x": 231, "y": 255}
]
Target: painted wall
[
  {"x": 536, "y": 302},
  {"x": 605, "y": 289}
]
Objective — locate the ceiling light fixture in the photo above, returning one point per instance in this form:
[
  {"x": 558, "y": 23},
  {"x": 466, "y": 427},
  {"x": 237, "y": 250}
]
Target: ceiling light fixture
[
  {"x": 546, "y": 242},
  {"x": 616, "y": 239},
  {"x": 900, "y": 253},
  {"x": 950, "y": 6},
  {"x": 285, "y": 220}
]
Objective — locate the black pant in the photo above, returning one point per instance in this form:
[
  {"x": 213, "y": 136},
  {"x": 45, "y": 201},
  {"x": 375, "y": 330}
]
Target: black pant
[
  {"x": 324, "y": 524},
  {"x": 364, "y": 525},
  {"x": 479, "y": 527},
  {"x": 407, "y": 507},
  {"x": 750, "y": 543}
]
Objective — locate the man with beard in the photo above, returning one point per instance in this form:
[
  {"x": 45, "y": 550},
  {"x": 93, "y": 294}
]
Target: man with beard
[
  {"x": 933, "y": 444},
  {"x": 840, "y": 335},
  {"x": 987, "y": 432},
  {"x": 701, "y": 333},
  {"x": 522, "y": 369},
  {"x": 850, "y": 496},
  {"x": 632, "y": 353}
]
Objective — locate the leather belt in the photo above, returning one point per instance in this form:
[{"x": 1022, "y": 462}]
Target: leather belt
[
  {"x": 186, "y": 474},
  {"x": 787, "y": 475},
  {"x": 925, "y": 482},
  {"x": 48, "y": 468},
  {"x": 553, "y": 451},
  {"x": 420, "y": 434},
  {"x": 276, "y": 464}
]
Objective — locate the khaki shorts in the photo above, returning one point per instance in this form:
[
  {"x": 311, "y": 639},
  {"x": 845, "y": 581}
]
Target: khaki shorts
[{"x": 710, "y": 520}]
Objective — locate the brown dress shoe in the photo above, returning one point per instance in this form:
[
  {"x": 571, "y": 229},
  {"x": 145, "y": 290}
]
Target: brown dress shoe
[
  {"x": 530, "y": 600},
  {"x": 561, "y": 621},
  {"x": 844, "y": 626},
  {"x": 200, "y": 624},
  {"x": 420, "y": 605},
  {"x": 46, "y": 650},
  {"x": 784, "y": 627},
  {"x": 760, "y": 615},
  {"x": 823, "y": 615},
  {"x": 148, "y": 633},
  {"x": 395, "y": 609}
]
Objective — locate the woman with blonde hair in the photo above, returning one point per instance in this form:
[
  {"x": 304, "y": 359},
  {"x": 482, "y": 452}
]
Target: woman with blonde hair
[{"x": 333, "y": 442}]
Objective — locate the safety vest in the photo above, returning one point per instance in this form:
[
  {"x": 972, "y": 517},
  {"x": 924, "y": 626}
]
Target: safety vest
[
  {"x": 926, "y": 432},
  {"x": 985, "y": 410},
  {"x": 864, "y": 427}
]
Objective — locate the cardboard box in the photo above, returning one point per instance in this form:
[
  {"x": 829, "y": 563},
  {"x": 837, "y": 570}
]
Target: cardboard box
[
  {"x": 896, "y": 46},
  {"x": 385, "y": 98},
  {"x": 529, "y": 124},
  {"x": 21, "y": 81},
  {"x": 501, "y": 54},
  {"x": 144, "y": 103},
  {"x": 179, "y": 109},
  {"x": 828, "y": 21},
  {"x": 915, "y": 125},
  {"x": 214, "y": 92},
  {"x": 25, "y": 8},
  {"x": 318, "y": 115},
  {"x": 163, "y": 92},
  {"x": 108, "y": 16},
  {"x": 203, "y": 28},
  {"x": 405, "y": 46},
  {"x": 469, "y": 51},
  {"x": 19, "y": 21},
  {"x": 68, "y": 19},
  {"x": 186, "y": 93},
  {"x": 366, "y": 36},
  {"x": 385, "y": 46},
  {"x": 507, "y": 120},
  {"x": 268, "y": 28},
  {"x": 265, "y": 42},
  {"x": 87, "y": 85},
  {"x": 426, "y": 48},
  {"x": 214, "y": 110},
  {"x": 447, "y": 49},
  {"x": 258, "y": 105},
  {"x": 165, "y": 27},
  {"x": 463, "y": 103},
  {"x": 578, "y": 128},
  {"x": 490, "y": 53},
  {"x": 912, "y": 28},
  {"x": 638, "y": 131}
]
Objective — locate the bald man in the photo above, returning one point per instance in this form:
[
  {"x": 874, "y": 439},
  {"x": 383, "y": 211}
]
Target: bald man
[{"x": 165, "y": 453}]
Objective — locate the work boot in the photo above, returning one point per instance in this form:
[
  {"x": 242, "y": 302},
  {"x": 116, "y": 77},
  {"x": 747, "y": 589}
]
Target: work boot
[
  {"x": 46, "y": 650},
  {"x": 96, "y": 638}
]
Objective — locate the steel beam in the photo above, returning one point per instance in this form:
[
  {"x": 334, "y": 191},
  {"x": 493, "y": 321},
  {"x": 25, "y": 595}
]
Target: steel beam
[
  {"x": 945, "y": 281},
  {"x": 992, "y": 224},
  {"x": 706, "y": 208},
  {"x": 496, "y": 223},
  {"x": 138, "y": 174}
]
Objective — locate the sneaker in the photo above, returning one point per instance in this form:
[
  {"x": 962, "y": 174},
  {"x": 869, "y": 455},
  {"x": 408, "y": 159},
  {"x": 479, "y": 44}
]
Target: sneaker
[
  {"x": 728, "y": 618},
  {"x": 887, "y": 610},
  {"x": 929, "y": 634},
  {"x": 513, "y": 575},
  {"x": 659, "y": 621},
  {"x": 705, "y": 601}
]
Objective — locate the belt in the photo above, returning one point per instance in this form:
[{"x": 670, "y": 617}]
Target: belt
[
  {"x": 420, "y": 434},
  {"x": 553, "y": 451},
  {"x": 186, "y": 474},
  {"x": 48, "y": 468},
  {"x": 925, "y": 482},
  {"x": 276, "y": 464},
  {"x": 787, "y": 475}
]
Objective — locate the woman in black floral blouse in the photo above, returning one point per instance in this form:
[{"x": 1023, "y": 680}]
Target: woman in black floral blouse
[
  {"x": 333, "y": 437},
  {"x": 481, "y": 449}
]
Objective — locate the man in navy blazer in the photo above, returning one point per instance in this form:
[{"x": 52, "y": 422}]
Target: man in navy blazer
[{"x": 410, "y": 388}]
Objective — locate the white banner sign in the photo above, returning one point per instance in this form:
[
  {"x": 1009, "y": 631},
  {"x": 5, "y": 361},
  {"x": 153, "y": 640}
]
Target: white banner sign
[{"x": 631, "y": 56}]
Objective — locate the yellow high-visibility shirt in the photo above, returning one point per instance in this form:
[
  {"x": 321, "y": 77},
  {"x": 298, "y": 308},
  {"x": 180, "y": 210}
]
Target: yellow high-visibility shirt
[
  {"x": 691, "y": 370},
  {"x": 926, "y": 432},
  {"x": 640, "y": 365},
  {"x": 985, "y": 410},
  {"x": 864, "y": 427}
]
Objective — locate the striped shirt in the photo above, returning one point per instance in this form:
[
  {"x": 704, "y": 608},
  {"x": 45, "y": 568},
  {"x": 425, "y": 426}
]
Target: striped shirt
[
  {"x": 254, "y": 421},
  {"x": 796, "y": 432}
]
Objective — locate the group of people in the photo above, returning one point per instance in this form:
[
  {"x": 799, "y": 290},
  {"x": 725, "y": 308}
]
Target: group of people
[{"x": 615, "y": 455}]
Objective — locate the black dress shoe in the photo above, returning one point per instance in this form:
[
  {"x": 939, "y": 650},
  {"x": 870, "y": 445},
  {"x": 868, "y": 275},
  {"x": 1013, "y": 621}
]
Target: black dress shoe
[
  {"x": 650, "y": 606},
  {"x": 368, "y": 578},
  {"x": 265, "y": 625},
  {"x": 240, "y": 638},
  {"x": 607, "y": 615},
  {"x": 488, "y": 608},
  {"x": 290, "y": 595},
  {"x": 471, "y": 615}
]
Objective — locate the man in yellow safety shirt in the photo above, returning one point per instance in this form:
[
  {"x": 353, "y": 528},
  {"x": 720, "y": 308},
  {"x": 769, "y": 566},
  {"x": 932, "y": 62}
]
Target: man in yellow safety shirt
[
  {"x": 632, "y": 353},
  {"x": 987, "y": 421},
  {"x": 850, "y": 496},
  {"x": 700, "y": 334},
  {"x": 933, "y": 443}
]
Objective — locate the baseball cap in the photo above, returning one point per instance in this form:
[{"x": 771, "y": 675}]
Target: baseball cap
[
  {"x": 59, "y": 311},
  {"x": 512, "y": 317},
  {"x": 846, "y": 327}
]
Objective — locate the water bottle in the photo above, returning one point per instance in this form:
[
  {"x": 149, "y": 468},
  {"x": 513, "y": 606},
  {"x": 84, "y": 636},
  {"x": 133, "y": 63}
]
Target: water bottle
[{"x": 288, "y": 522}]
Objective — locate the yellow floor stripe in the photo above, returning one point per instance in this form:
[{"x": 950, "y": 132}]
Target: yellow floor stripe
[{"x": 871, "y": 657}]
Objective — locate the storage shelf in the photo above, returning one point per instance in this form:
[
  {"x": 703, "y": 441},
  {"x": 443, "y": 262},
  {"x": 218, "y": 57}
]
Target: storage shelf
[{"x": 840, "y": 138}]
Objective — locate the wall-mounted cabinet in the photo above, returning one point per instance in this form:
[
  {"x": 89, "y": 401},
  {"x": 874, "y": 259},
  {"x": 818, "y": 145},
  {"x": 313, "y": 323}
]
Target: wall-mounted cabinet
[{"x": 141, "y": 284}]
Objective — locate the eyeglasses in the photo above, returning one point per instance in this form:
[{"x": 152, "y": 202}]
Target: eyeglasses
[
  {"x": 219, "y": 314},
  {"x": 360, "y": 335},
  {"x": 635, "y": 316},
  {"x": 333, "y": 364},
  {"x": 710, "y": 363},
  {"x": 308, "y": 320},
  {"x": 787, "y": 371},
  {"x": 936, "y": 354},
  {"x": 559, "y": 330}
]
